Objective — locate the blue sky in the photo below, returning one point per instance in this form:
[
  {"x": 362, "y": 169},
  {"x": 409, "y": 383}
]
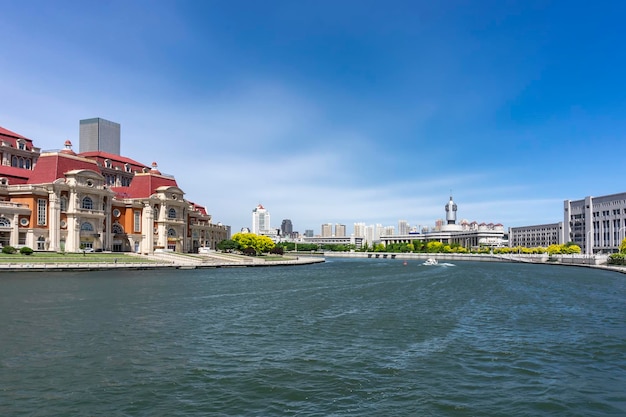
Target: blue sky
[{"x": 336, "y": 111}]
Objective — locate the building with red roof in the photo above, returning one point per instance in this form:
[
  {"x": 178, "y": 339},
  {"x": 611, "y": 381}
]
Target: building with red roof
[{"x": 64, "y": 201}]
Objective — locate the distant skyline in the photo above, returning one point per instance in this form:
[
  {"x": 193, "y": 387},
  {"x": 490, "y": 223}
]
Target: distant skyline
[{"x": 336, "y": 112}]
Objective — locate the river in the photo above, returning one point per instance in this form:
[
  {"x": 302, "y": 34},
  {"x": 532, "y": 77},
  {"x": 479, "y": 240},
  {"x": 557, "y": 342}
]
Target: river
[{"x": 364, "y": 337}]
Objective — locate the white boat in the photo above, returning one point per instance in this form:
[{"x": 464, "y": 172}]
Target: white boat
[{"x": 430, "y": 261}]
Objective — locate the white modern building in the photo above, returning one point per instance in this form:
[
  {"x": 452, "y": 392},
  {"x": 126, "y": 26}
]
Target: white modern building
[
  {"x": 596, "y": 224},
  {"x": 260, "y": 220},
  {"x": 542, "y": 235}
]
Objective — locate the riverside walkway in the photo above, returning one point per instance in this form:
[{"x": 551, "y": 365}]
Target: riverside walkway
[{"x": 159, "y": 260}]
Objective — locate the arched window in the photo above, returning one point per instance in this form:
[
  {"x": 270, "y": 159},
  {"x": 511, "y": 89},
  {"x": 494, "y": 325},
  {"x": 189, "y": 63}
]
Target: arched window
[
  {"x": 63, "y": 203},
  {"x": 87, "y": 203},
  {"x": 171, "y": 213},
  {"x": 171, "y": 233},
  {"x": 20, "y": 162},
  {"x": 14, "y": 161},
  {"x": 27, "y": 163},
  {"x": 86, "y": 227},
  {"x": 117, "y": 229},
  {"x": 4, "y": 222}
]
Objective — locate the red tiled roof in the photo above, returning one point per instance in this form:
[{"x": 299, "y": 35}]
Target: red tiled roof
[
  {"x": 7, "y": 132},
  {"x": 11, "y": 138},
  {"x": 200, "y": 209},
  {"x": 51, "y": 167},
  {"x": 116, "y": 160},
  {"x": 144, "y": 185},
  {"x": 15, "y": 175}
]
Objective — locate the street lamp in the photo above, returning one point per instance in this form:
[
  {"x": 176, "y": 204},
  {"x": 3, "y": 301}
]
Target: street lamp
[{"x": 619, "y": 238}]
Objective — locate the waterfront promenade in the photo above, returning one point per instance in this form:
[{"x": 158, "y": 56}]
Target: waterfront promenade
[{"x": 162, "y": 260}]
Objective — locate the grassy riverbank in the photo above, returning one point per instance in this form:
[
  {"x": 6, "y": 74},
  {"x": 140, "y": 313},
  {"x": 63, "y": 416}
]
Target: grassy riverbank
[{"x": 74, "y": 258}]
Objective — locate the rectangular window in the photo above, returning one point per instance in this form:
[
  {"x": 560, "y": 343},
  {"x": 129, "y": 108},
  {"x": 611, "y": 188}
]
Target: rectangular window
[
  {"x": 137, "y": 221},
  {"x": 41, "y": 212}
]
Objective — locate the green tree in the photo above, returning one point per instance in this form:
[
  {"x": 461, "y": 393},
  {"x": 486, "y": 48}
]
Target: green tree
[
  {"x": 228, "y": 245},
  {"x": 434, "y": 247},
  {"x": 379, "y": 247},
  {"x": 260, "y": 244},
  {"x": 571, "y": 249}
]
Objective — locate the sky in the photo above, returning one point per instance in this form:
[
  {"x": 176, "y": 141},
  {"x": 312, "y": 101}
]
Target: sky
[{"x": 336, "y": 111}]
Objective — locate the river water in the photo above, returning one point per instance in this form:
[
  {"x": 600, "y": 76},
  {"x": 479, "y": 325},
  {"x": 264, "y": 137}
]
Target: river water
[{"x": 343, "y": 338}]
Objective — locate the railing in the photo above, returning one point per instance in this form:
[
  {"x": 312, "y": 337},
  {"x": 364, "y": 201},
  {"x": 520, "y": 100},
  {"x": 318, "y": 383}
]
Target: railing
[{"x": 10, "y": 204}]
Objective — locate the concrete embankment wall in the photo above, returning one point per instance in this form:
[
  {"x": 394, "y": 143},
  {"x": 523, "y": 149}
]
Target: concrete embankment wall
[
  {"x": 540, "y": 258},
  {"x": 418, "y": 256}
]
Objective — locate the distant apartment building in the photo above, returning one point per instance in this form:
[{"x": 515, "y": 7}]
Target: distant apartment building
[
  {"x": 286, "y": 228},
  {"x": 542, "y": 235},
  {"x": 340, "y": 230},
  {"x": 359, "y": 229},
  {"x": 388, "y": 231},
  {"x": 370, "y": 234},
  {"x": 403, "y": 227},
  {"x": 99, "y": 135},
  {"x": 596, "y": 224},
  {"x": 327, "y": 230},
  {"x": 309, "y": 233},
  {"x": 378, "y": 231},
  {"x": 260, "y": 220}
]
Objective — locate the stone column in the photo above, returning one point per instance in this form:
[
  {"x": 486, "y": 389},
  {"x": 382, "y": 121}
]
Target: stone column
[
  {"x": 147, "y": 226},
  {"x": 54, "y": 215},
  {"x": 107, "y": 239},
  {"x": 15, "y": 230},
  {"x": 72, "y": 243}
]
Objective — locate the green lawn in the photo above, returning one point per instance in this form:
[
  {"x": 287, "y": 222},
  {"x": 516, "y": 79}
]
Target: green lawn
[{"x": 51, "y": 257}]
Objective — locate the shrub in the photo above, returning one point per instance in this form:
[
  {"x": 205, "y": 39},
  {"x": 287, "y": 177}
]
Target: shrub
[
  {"x": 25, "y": 250},
  {"x": 249, "y": 251},
  {"x": 616, "y": 259},
  {"x": 277, "y": 250},
  {"x": 9, "y": 250}
]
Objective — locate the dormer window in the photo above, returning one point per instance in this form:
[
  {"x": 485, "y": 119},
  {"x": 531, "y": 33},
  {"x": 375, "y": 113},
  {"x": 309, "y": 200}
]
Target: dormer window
[
  {"x": 107, "y": 163},
  {"x": 127, "y": 167},
  {"x": 21, "y": 144}
]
